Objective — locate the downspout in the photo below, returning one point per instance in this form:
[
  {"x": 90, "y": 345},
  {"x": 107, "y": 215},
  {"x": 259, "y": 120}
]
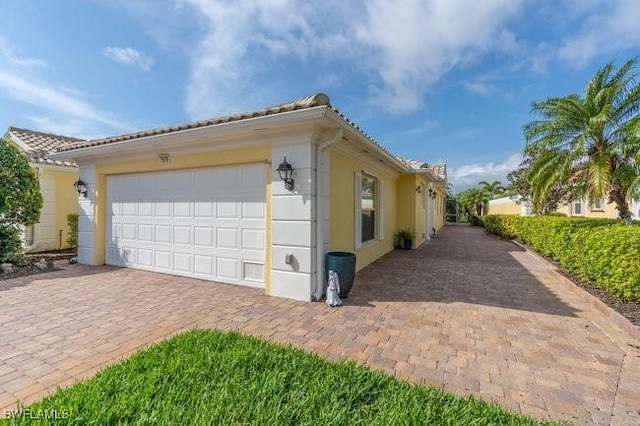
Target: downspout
[{"x": 318, "y": 290}]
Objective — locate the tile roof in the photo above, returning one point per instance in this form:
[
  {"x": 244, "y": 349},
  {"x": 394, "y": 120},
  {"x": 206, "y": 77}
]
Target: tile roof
[
  {"x": 308, "y": 102},
  {"x": 40, "y": 144},
  {"x": 318, "y": 99},
  {"x": 440, "y": 170}
]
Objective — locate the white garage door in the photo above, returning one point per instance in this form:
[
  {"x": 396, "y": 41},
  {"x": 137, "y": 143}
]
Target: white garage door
[{"x": 203, "y": 223}]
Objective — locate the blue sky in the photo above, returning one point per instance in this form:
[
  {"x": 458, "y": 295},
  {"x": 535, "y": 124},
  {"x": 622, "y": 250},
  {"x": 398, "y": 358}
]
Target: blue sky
[{"x": 433, "y": 80}]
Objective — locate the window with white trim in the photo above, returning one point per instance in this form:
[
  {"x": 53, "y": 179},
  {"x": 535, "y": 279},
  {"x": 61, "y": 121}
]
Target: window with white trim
[
  {"x": 369, "y": 209},
  {"x": 598, "y": 205},
  {"x": 369, "y": 190},
  {"x": 577, "y": 208}
]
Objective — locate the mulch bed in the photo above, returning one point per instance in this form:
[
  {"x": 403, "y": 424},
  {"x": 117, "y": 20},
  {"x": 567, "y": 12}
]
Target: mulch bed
[
  {"x": 629, "y": 310},
  {"x": 32, "y": 269}
]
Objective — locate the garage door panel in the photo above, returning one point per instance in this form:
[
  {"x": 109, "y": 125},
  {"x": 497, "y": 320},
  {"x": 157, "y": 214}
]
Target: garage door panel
[
  {"x": 145, "y": 257},
  {"x": 204, "y": 209},
  {"x": 162, "y": 259},
  {"x": 162, "y": 234},
  {"x": 207, "y": 223},
  {"x": 253, "y": 239},
  {"x": 227, "y": 267},
  {"x": 182, "y": 235},
  {"x": 162, "y": 208},
  {"x": 145, "y": 232},
  {"x": 204, "y": 236},
  {"x": 227, "y": 208},
  {"x": 182, "y": 262},
  {"x": 227, "y": 238},
  {"x": 203, "y": 265},
  {"x": 253, "y": 209},
  {"x": 129, "y": 231}
]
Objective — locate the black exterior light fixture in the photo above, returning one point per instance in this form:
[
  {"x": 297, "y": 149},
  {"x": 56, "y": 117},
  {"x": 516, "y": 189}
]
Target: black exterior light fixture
[
  {"x": 81, "y": 187},
  {"x": 431, "y": 193},
  {"x": 419, "y": 189},
  {"x": 285, "y": 170}
]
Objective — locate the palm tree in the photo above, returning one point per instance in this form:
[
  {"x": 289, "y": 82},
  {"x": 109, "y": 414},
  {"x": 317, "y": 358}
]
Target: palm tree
[
  {"x": 473, "y": 200},
  {"x": 494, "y": 188},
  {"x": 589, "y": 143}
]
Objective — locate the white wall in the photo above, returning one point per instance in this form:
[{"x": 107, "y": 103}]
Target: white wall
[
  {"x": 293, "y": 223},
  {"x": 86, "y": 218}
]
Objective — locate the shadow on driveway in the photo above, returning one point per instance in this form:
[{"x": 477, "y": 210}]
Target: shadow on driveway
[{"x": 462, "y": 264}]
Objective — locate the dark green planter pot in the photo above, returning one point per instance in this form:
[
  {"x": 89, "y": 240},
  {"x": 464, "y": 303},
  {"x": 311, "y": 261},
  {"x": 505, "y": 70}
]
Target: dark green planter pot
[
  {"x": 408, "y": 244},
  {"x": 344, "y": 264}
]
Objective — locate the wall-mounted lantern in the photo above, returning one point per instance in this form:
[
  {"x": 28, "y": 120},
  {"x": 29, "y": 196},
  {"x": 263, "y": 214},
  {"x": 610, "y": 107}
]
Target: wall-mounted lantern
[
  {"x": 285, "y": 170},
  {"x": 432, "y": 193},
  {"x": 419, "y": 189},
  {"x": 81, "y": 187}
]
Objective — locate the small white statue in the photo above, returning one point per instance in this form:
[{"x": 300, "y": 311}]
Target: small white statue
[{"x": 333, "y": 290}]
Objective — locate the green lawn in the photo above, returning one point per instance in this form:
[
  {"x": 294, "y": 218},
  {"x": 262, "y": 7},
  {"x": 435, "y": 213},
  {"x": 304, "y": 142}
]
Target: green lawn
[{"x": 210, "y": 377}]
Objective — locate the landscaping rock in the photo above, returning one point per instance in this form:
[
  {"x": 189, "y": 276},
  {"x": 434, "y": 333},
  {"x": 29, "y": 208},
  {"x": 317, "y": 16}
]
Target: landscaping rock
[
  {"x": 7, "y": 268},
  {"x": 42, "y": 264}
]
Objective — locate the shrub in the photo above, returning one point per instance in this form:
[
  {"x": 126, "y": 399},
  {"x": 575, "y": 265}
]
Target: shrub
[
  {"x": 603, "y": 252},
  {"x": 72, "y": 222},
  {"x": 10, "y": 244},
  {"x": 477, "y": 220}
]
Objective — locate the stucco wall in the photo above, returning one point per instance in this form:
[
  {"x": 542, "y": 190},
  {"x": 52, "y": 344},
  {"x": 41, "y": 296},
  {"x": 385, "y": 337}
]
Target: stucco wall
[
  {"x": 342, "y": 208},
  {"x": 504, "y": 206},
  {"x": 66, "y": 202}
]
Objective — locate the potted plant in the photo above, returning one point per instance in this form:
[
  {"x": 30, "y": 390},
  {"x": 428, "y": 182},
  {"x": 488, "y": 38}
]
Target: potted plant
[{"x": 406, "y": 237}]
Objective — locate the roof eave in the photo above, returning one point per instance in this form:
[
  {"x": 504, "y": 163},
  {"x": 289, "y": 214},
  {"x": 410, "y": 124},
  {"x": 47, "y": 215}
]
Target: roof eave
[
  {"x": 338, "y": 119},
  {"x": 230, "y": 127}
]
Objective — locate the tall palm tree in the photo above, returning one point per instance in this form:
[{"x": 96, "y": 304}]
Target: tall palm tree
[
  {"x": 589, "y": 142},
  {"x": 494, "y": 188}
]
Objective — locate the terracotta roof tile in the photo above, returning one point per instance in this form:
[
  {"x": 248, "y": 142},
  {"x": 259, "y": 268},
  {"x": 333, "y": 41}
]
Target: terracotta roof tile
[
  {"x": 41, "y": 144},
  {"x": 319, "y": 99},
  {"x": 440, "y": 170}
]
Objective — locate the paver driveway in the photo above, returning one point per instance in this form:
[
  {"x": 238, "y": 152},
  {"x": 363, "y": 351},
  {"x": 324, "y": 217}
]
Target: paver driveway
[{"x": 468, "y": 312}]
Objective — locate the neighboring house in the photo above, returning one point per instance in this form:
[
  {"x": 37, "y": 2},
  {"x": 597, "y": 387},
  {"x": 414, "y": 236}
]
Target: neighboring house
[
  {"x": 56, "y": 184},
  {"x": 205, "y": 199},
  {"x": 598, "y": 209},
  {"x": 509, "y": 205}
]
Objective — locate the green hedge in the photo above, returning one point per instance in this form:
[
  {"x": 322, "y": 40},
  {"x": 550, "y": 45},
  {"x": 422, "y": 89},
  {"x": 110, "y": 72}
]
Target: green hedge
[
  {"x": 604, "y": 252},
  {"x": 10, "y": 244},
  {"x": 477, "y": 220}
]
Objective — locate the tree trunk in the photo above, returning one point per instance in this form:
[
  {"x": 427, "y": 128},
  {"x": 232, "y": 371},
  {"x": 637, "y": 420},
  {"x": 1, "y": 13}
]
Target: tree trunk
[{"x": 621, "y": 204}]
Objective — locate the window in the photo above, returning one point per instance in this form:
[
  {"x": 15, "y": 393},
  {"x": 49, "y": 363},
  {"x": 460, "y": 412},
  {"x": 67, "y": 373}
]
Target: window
[
  {"x": 577, "y": 208},
  {"x": 369, "y": 191},
  {"x": 369, "y": 209},
  {"x": 598, "y": 205}
]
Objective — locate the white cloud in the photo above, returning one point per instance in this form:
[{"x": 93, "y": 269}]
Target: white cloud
[
  {"x": 10, "y": 57},
  {"x": 56, "y": 108},
  {"x": 396, "y": 48},
  {"x": 128, "y": 56},
  {"x": 414, "y": 43},
  {"x": 609, "y": 26},
  {"x": 469, "y": 175},
  {"x": 479, "y": 87}
]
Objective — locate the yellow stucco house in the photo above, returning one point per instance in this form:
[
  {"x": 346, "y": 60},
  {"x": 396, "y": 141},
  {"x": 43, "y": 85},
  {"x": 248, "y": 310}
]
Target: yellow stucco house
[
  {"x": 56, "y": 179},
  {"x": 581, "y": 208},
  {"x": 206, "y": 199}
]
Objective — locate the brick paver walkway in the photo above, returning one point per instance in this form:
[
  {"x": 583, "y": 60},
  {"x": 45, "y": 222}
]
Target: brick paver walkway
[{"x": 468, "y": 312}]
